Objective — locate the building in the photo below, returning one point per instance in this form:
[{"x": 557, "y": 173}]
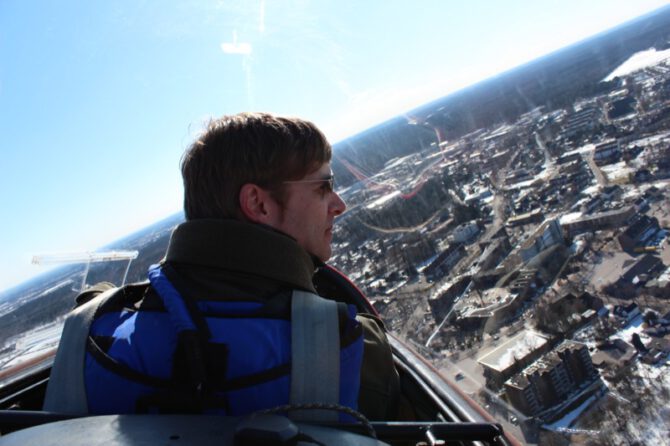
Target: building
[
  {"x": 517, "y": 353},
  {"x": 524, "y": 282},
  {"x": 658, "y": 350},
  {"x": 645, "y": 268},
  {"x": 627, "y": 312},
  {"x": 477, "y": 196},
  {"x": 565, "y": 311},
  {"x": 407, "y": 248},
  {"x": 498, "y": 160},
  {"x": 569, "y": 157},
  {"x": 602, "y": 220},
  {"x": 575, "y": 173},
  {"x": 534, "y": 216},
  {"x": 523, "y": 395},
  {"x": 551, "y": 379},
  {"x": 641, "y": 229},
  {"x": 465, "y": 232},
  {"x": 614, "y": 357},
  {"x": 581, "y": 122},
  {"x": 611, "y": 192},
  {"x": 578, "y": 361},
  {"x": 494, "y": 253},
  {"x": 641, "y": 205},
  {"x": 487, "y": 279},
  {"x": 642, "y": 176},
  {"x": 607, "y": 152},
  {"x": 565, "y": 302},
  {"x": 547, "y": 235},
  {"x": 517, "y": 176},
  {"x": 591, "y": 205},
  {"x": 442, "y": 302},
  {"x": 445, "y": 261}
]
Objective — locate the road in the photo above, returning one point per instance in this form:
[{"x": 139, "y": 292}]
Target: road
[
  {"x": 548, "y": 159},
  {"x": 597, "y": 173},
  {"x": 466, "y": 373}
]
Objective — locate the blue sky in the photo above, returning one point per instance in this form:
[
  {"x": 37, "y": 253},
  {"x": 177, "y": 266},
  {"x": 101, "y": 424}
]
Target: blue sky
[{"x": 98, "y": 100}]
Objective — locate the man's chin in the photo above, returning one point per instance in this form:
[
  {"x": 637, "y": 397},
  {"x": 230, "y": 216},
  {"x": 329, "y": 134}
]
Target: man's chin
[{"x": 325, "y": 256}]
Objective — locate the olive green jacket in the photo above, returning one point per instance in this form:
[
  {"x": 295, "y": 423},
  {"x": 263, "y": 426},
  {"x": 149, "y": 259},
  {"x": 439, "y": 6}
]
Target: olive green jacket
[{"x": 252, "y": 262}]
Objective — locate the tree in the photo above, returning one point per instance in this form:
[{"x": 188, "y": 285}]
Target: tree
[
  {"x": 650, "y": 316},
  {"x": 603, "y": 329}
]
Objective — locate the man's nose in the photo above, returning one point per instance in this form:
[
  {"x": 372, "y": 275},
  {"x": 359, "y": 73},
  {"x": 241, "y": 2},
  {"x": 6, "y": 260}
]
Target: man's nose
[{"x": 338, "y": 206}]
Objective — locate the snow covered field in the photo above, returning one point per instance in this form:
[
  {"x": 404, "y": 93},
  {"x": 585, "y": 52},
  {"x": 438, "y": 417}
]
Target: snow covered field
[{"x": 642, "y": 414}]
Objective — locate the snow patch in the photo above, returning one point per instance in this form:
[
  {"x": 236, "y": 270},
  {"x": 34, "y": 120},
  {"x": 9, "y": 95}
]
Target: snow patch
[{"x": 639, "y": 61}]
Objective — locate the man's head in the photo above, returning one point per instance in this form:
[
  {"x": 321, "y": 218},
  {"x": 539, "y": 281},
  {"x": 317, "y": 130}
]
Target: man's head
[
  {"x": 256, "y": 148},
  {"x": 265, "y": 169}
]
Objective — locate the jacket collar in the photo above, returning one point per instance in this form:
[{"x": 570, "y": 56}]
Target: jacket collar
[{"x": 244, "y": 248}]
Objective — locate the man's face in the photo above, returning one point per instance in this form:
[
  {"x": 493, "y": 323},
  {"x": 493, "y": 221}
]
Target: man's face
[{"x": 309, "y": 208}]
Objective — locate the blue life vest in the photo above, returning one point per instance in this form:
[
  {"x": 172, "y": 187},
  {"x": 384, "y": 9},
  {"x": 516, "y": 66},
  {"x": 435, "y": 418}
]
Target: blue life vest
[{"x": 224, "y": 357}]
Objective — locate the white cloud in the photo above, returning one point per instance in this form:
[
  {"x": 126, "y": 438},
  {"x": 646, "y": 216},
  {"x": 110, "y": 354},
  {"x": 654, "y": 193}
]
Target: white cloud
[
  {"x": 261, "y": 18},
  {"x": 236, "y": 48}
]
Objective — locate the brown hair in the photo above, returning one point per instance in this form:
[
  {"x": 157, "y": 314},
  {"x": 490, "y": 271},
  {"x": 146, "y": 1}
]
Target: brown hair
[{"x": 257, "y": 148}]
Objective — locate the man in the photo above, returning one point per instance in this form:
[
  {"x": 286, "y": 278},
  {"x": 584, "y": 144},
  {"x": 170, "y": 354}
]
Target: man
[
  {"x": 260, "y": 207},
  {"x": 213, "y": 329}
]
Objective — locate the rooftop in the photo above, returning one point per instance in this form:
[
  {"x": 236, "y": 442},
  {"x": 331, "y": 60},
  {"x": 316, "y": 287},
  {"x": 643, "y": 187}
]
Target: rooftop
[{"x": 517, "y": 347}]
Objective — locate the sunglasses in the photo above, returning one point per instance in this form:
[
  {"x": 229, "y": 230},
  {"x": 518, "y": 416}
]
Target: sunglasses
[{"x": 329, "y": 182}]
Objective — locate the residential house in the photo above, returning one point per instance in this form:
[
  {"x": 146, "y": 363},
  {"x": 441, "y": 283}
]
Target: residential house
[
  {"x": 607, "y": 152},
  {"x": 641, "y": 229}
]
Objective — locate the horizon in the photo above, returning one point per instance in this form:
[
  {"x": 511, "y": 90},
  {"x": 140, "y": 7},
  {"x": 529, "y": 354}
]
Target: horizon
[{"x": 35, "y": 198}]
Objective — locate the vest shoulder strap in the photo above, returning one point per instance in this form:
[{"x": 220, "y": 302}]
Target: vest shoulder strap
[
  {"x": 315, "y": 355},
  {"x": 66, "y": 390}
]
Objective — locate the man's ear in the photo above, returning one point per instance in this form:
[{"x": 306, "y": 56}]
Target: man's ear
[{"x": 254, "y": 203}]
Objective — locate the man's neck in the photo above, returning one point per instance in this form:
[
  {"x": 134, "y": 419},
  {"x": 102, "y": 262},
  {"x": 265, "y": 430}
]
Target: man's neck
[{"x": 243, "y": 247}]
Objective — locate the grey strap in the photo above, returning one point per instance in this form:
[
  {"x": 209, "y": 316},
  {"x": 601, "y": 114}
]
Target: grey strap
[
  {"x": 315, "y": 355},
  {"x": 66, "y": 391}
]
